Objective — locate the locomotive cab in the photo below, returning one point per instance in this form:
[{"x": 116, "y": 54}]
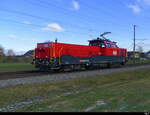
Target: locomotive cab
[
  {"x": 109, "y": 48},
  {"x": 103, "y": 43}
]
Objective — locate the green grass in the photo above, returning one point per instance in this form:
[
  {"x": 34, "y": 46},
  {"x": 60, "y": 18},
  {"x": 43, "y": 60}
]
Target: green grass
[
  {"x": 137, "y": 62},
  {"x": 125, "y": 92},
  {"x": 13, "y": 67}
]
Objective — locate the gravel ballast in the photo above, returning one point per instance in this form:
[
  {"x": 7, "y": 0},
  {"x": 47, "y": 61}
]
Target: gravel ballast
[{"x": 66, "y": 76}]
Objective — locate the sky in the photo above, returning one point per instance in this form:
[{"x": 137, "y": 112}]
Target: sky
[{"x": 24, "y": 23}]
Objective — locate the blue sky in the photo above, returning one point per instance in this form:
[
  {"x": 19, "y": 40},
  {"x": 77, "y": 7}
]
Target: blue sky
[{"x": 23, "y": 23}]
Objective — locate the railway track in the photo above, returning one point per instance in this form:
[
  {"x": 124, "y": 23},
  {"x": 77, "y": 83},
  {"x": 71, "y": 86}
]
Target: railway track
[{"x": 26, "y": 74}]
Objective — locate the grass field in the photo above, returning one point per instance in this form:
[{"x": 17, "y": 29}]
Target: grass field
[
  {"x": 123, "y": 92},
  {"x": 13, "y": 67}
]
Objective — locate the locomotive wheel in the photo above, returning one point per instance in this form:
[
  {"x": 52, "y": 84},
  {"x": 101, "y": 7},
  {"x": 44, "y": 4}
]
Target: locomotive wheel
[
  {"x": 67, "y": 68},
  {"x": 43, "y": 69},
  {"x": 90, "y": 67},
  {"x": 109, "y": 65},
  {"x": 123, "y": 63}
]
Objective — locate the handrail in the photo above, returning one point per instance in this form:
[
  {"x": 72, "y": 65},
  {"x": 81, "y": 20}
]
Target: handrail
[{"x": 60, "y": 56}]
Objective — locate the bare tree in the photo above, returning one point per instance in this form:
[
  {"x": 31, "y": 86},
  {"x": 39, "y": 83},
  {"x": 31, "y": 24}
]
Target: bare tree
[
  {"x": 1, "y": 51},
  {"x": 10, "y": 52},
  {"x": 139, "y": 49}
]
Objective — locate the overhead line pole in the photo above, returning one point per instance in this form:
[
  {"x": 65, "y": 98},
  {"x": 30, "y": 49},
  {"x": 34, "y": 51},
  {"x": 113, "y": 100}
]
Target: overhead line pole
[
  {"x": 134, "y": 44},
  {"x": 134, "y": 39}
]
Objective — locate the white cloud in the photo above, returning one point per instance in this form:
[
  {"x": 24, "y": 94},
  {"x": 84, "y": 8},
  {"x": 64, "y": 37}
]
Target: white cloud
[
  {"x": 135, "y": 8},
  {"x": 146, "y": 2},
  {"x": 140, "y": 5},
  {"x": 12, "y": 36},
  {"x": 26, "y": 22},
  {"x": 76, "y": 5},
  {"x": 53, "y": 27}
]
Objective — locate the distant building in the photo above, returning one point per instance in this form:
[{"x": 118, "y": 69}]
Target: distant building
[
  {"x": 148, "y": 55},
  {"x": 136, "y": 55},
  {"x": 28, "y": 54}
]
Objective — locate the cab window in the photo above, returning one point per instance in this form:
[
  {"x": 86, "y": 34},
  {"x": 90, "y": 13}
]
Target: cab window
[{"x": 108, "y": 45}]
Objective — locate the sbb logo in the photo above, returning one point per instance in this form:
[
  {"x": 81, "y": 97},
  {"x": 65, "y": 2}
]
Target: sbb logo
[{"x": 115, "y": 53}]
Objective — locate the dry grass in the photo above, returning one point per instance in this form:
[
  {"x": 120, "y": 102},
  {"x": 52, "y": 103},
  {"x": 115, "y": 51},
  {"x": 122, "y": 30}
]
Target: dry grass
[{"x": 119, "y": 92}]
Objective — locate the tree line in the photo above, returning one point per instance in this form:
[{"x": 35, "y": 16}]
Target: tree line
[
  {"x": 10, "y": 52},
  {"x": 10, "y": 57}
]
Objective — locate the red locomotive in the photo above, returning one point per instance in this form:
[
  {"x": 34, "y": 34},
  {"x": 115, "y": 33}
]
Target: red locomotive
[{"x": 57, "y": 56}]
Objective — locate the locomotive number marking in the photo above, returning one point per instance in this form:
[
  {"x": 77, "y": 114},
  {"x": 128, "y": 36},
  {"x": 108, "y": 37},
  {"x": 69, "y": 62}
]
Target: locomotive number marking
[{"x": 84, "y": 60}]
